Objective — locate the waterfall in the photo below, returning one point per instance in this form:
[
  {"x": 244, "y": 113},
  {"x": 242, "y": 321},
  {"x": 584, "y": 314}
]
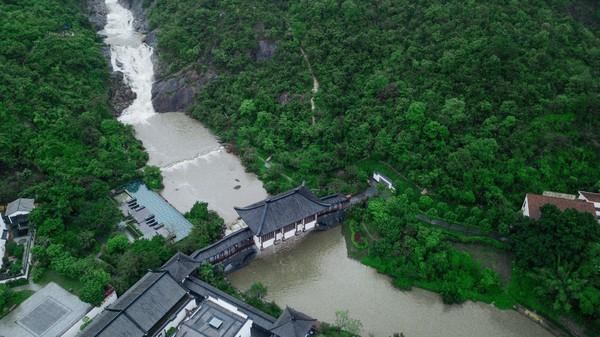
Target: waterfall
[{"x": 131, "y": 56}]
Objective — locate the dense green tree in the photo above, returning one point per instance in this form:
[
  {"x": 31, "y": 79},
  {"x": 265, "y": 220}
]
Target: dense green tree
[
  {"x": 208, "y": 227},
  {"x": 477, "y": 115},
  {"x": 561, "y": 250},
  {"x": 59, "y": 142},
  {"x": 153, "y": 177}
]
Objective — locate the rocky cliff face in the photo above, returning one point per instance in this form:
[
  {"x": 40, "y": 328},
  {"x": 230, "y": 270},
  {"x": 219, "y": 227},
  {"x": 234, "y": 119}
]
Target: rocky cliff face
[
  {"x": 178, "y": 91},
  {"x": 96, "y": 12},
  {"x": 121, "y": 95},
  {"x": 170, "y": 92}
]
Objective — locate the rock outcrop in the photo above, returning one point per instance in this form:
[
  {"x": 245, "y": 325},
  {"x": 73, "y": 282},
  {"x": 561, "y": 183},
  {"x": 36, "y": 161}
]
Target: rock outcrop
[
  {"x": 266, "y": 50},
  {"x": 96, "y": 13},
  {"x": 121, "y": 95},
  {"x": 178, "y": 91}
]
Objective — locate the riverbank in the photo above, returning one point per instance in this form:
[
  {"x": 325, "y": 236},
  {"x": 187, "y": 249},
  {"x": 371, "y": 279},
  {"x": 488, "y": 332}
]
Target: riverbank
[
  {"x": 316, "y": 276},
  {"x": 517, "y": 290}
]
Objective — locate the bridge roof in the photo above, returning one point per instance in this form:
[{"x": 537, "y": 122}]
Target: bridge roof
[
  {"x": 222, "y": 245},
  {"x": 281, "y": 210}
]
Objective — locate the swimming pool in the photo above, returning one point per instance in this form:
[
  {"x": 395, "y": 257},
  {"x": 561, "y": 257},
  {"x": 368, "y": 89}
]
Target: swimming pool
[{"x": 164, "y": 213}]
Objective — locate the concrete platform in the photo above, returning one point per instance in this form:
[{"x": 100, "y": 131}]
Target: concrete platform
[{"x": 48, "y": 313}]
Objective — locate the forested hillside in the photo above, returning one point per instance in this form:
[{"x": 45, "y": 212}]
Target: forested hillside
[
  {"x": 58, "y": 141},
  {"x": 477, "y": 101}
]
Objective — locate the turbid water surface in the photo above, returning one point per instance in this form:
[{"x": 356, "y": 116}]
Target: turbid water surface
[{"x": 315, "y": 276}]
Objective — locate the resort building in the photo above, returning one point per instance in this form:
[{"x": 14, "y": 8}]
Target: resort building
[
  {"x": 593, "y": 198},
  {"x": 17, "y": 215},
  {"x": 533, "y": 203},
  {"x": 172, "y": 301},
  {"x": 380, "y": 178},
  {"x": 286, "y": 215}
]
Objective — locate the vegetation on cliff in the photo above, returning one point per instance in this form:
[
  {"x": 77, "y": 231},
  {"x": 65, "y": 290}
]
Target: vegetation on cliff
[
  {"x": 478, "y": 102},
  {"x": 59, "y": 142}
]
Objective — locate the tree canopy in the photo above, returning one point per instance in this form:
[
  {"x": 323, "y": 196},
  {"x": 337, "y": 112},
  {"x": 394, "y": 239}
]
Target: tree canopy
[
  {"x": 478, "y": 102},
  {"x": 59, "y": 142}
]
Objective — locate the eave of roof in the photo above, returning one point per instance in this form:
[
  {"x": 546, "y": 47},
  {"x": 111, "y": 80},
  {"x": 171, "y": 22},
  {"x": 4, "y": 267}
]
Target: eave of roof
[
  {"x": 591, "y": 196},
  {"x": 258, "y": 227}
]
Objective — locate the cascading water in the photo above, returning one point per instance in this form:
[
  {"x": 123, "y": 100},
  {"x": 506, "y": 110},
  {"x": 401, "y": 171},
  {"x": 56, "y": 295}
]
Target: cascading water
[
  {"x": 130, "y": 55},
  {"x": 194, "y": 166}
]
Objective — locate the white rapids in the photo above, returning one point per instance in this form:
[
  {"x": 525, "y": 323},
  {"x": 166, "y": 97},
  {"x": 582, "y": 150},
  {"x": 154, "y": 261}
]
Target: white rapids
[{"x": 131, "y": 56}]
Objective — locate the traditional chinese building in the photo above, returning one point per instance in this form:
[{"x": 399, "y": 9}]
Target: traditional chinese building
[
  {"x": 288, "y": 214},
  {"x": 173, "y": 302}
]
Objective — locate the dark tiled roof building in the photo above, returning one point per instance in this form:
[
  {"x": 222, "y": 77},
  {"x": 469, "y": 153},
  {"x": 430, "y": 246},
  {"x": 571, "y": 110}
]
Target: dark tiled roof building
[
  {"x": 293, "y": 323},
  {"x": 287, "y": 214},
  {"x": 143, "y": 310},
  {"x": 174, "y": 299}
]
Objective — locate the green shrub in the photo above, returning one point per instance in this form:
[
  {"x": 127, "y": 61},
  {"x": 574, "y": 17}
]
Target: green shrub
[{"x": 153, "y": 178}]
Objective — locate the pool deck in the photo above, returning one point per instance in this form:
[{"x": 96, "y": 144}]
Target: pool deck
[{"x": 174, "y": 222}]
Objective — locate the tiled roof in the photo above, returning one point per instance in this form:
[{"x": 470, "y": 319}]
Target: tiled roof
[
  {"x": 293, "y": 323},
  {"x": 592, "y": 197},
  {"x": 222, "y": 245},
  {"x": 335, "y": 198},
  {"x": 536, "y": 201},
  {"x": 180, "y": 266},
  {"x": 138, "y": 311},
  {"x": 20, "y": 205},
  {"x": 281, "y": 210}
]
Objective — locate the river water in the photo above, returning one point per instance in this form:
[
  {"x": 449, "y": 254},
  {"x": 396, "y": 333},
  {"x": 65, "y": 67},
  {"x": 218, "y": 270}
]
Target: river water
[
  {"x": 193, "y": 163},
  {"x": 314, "y": 274}
]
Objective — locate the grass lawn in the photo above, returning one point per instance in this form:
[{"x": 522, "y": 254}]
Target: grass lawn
[
  {"x": 71, "y": 285},
  {"x": 16, "y": 299}
]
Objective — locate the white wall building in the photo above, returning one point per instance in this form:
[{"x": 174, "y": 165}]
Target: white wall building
[
  {"x": 380, "y": 178},
  {"x": 284, "y": 216},
  {"x": 593, "y": 198}
]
